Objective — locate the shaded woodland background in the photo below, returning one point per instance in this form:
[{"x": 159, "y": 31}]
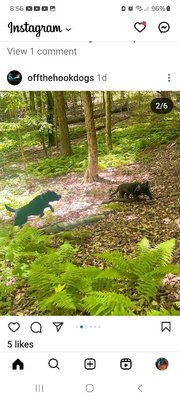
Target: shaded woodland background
[{"x": 83, "y": 145}]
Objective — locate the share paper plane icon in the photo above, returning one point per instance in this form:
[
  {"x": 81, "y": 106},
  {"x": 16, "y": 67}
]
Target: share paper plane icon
[{"x": 58, "y": 325}]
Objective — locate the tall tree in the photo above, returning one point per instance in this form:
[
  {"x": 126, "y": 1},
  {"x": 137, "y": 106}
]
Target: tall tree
[
  {"x": 92, "y": 170},
  {"x": 38, "y": 98},
  {"x": 50, "y": 119},
  {"x": 38, "y": 102},
  {"x": 166, "y": 94},
  {"x": 108, "y": 120},
  {"x": 32, "y": 102},
  {"x": 62, "y": 123}
]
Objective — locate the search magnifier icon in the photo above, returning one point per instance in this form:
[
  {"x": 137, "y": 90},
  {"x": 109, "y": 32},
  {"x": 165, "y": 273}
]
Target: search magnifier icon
[{"x": 53, "y": 363}]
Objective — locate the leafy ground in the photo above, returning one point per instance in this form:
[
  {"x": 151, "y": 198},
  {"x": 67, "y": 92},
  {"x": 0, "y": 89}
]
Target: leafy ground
[{"x": 125, "y": 224}]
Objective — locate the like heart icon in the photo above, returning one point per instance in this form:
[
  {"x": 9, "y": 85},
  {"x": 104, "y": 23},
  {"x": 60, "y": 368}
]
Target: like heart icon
[
  {"x": 14, "y": 326},
  {"x": 140, "y": 26}
]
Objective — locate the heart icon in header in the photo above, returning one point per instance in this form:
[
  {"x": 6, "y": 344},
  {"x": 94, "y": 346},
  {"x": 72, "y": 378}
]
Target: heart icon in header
[{"x": 140, "y": 26}]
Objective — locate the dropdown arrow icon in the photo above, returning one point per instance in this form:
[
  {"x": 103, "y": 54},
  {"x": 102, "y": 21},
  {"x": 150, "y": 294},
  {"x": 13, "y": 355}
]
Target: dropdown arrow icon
[{"x": 140, "y": 387}]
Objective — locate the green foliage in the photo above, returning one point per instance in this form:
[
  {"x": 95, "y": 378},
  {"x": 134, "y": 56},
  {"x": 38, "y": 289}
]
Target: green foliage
[
  {"x": 76, "y": 237},
  {"x": 143, "y": 274},
  {"x": 54, "y": 277},
  {"x": 20, "y": 248},
  {"x": 37, "y": 126},
  {"x": 77, "y": 132},
  {"x": 127, "y": 286},
  {"x": 5, "y": 297},
  {"x": 163, "y": 312},
  {"x": 131, "y": 138},
  {"x": 60, "y": 165},
  {"x": 100, "y": 303}
]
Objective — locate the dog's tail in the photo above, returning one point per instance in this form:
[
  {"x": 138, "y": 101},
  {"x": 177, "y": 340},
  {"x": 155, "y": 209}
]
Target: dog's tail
[
  {"x": 112, "y": 194},
  {"x": 10, "y": 209}
]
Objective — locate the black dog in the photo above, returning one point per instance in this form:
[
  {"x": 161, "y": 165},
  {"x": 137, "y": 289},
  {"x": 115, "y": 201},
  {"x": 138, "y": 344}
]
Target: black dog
[
  {"x": 134, "y": 189},
  {"x": 35, "y": 207}
]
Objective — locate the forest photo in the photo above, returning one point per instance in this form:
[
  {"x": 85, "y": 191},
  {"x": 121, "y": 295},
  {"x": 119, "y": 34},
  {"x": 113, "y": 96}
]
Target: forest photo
[{"x": 89, "y": 204}]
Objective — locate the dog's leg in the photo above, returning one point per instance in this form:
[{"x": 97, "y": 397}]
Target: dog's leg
[
  {"x": 20, "y": 221},
  {"x": 41, "y": 215},
  {"x": 51, "y": 208}
]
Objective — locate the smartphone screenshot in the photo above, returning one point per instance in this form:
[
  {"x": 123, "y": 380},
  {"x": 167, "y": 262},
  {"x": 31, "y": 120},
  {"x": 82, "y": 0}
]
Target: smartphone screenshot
[{"x": 89, "y": 200}]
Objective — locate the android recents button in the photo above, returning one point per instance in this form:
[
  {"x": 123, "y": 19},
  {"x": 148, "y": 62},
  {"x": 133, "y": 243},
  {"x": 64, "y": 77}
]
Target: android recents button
[{"x": 89, "y": 388}]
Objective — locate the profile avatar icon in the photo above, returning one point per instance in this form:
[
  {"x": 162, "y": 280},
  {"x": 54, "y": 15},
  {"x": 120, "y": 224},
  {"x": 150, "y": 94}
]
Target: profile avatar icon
[
  {"x": 14, "y": 77},
  {"x": 162, "y": 363}
]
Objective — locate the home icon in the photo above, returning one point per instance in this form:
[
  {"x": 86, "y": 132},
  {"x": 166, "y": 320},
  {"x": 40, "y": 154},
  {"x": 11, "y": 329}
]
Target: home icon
[{"x": 17, "y": 364}]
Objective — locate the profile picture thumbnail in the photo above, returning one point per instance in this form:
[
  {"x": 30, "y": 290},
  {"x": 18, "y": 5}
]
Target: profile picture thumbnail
[
  {"x": 14, "y": 77},
  {"x": 162, "y": 363}
]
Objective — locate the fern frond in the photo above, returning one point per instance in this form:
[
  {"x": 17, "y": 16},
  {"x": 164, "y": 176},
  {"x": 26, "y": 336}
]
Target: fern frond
[
  {"x": 163, "y": 312},
  {"x": 106, "y": 280},
  {"x": 105, "y": 303},
  {"x": 143, "y": 246},
  {"x": 42, "y": 285},
  {"x": 147, "y": 287},
  {"x": 160, "y": 272},
  {"x": 165, "y": 251},
  {"x": 61, "y": 302},
  {"x": 74, "y": 280},
  {"x": 117, "y": 261}
]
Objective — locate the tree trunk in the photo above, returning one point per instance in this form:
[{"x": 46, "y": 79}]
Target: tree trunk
[
  {"x": 92, "y": 170},
  {"x": 103, "y": 102},
  {"x": 63, "y": 130},
  {"x": 25, "y": 98},
  {"x": 38, "y": 102},
  {"x": 32, "y": 102},
  {"x": 178, "y": 97},
  {"x": 61, "y": 226},
  {"x": 166, "y": 94},
  {"x": 37, "y": 96},
  {"x": 139, "y": 99},
  {"x": 108, "y": 120},
  {"x": 50, "y": 120}
]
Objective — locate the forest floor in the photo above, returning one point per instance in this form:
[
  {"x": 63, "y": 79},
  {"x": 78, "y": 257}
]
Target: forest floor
[{"x": 126, "y": 223}]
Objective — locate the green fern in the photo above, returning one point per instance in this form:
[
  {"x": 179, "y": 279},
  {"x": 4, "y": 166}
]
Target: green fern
[
  {"x": 106, "y": 303},
  {"x": 127, "y": 286},
  {"x": 61, "y": 302},
  {"x": 143, "y": 246},
  {"x": 142, "y": 274},
  {"x": 163, "y": 312},
  {"x": 108, "y": 292},
  {"x": 51, "y": 271}
]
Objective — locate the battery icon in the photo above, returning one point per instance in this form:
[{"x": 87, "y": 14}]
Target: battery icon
[{"x": 168, "y": 8}]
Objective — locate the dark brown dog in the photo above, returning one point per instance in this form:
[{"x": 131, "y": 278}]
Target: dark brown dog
[{"x": 35, "y": 207}]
